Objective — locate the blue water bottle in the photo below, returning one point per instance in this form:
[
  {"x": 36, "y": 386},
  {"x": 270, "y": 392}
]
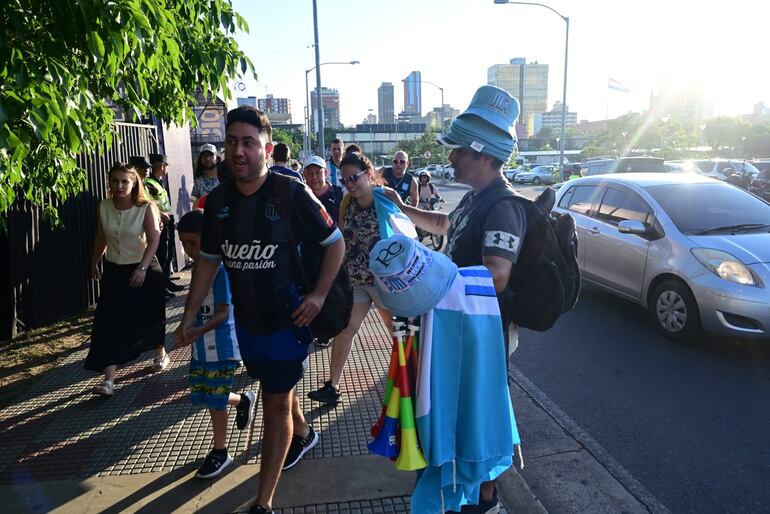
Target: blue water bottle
[{"x": 304, "y": 335}]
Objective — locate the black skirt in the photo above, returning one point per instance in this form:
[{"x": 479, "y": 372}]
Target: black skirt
[{"x": 128, "y": 320}]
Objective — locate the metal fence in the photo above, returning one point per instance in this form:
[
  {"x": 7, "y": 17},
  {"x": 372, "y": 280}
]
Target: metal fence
[{"x": 45, "y": 272}]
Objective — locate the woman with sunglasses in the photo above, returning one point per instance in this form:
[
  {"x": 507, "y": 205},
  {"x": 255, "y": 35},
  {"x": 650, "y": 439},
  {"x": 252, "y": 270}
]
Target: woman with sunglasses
[{"x": 358, "y": 222}]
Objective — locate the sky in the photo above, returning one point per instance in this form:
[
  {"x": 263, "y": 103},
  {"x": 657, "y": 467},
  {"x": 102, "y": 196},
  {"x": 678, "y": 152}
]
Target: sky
[{"x": 719, "y": 46}]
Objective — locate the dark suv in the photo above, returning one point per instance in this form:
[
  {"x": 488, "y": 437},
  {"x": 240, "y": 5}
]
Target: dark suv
[{"x": 639, "y": 165}]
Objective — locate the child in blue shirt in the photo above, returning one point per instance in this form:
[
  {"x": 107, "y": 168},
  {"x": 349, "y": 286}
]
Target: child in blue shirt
[{"x": 215, "y": 355}]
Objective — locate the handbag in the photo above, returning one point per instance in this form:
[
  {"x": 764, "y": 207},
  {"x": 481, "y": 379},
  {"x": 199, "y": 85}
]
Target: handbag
[{"x": 335, "y": 312}]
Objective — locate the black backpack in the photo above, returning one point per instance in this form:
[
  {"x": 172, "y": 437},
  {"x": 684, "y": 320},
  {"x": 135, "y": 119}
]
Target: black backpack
[
  {"x": 545, "y": 281},
  {"x": 335, "y": 312}
]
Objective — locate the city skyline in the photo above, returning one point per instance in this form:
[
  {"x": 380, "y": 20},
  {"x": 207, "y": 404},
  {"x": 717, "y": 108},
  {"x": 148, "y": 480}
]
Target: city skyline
[{"x": 672, "y": 42}]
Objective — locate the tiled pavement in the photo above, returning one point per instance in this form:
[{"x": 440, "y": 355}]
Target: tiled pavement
[{"x": 59, "y": 431}]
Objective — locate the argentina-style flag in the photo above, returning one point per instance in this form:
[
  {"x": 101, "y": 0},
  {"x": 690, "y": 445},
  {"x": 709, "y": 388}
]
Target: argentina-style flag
[{"x": 390, "y": 218}]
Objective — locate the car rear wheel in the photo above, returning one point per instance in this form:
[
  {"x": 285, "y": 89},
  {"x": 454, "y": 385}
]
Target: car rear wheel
[
  {"x": 675, "y": 311},
  {"x": 536, "y": 181}
]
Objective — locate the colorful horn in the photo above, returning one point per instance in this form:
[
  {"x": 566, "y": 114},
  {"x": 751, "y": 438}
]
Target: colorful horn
[
  {"x": 386, "y": 441},
  {"x": 410, "y": 456},
  {"x": 392, "y": 372}
]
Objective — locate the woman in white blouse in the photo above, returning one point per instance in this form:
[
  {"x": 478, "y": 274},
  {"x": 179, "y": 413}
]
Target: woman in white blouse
[{"x": 130, "y": 315}]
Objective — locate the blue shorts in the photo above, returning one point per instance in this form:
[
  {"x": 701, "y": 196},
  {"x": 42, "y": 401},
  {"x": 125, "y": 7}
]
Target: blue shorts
[
  {"x": 211, "y": 383},
  {"x": 277, "y": 360}
]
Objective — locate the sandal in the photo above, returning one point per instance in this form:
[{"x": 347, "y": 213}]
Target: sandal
[{"x": 106, "y": 388}]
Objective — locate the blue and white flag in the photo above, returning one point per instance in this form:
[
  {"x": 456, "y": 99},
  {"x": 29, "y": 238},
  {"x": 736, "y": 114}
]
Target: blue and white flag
[{"x": 392, "y": 221}]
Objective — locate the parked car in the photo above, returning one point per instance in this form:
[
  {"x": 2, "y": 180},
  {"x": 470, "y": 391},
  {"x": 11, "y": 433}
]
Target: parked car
[
  {"x": 723, "y": 168},
  {"x": 693, "y": 250},
  {"x": 435, "y": 170},
  {"x": 638, "y": 165},
  {"x": 449, "y": 172},
  {"x": 682, "y": 167},
  {"x": 510, "y": 173},
  {"x": 537, "y": 175},
  {"x": 597, "y": 166}
]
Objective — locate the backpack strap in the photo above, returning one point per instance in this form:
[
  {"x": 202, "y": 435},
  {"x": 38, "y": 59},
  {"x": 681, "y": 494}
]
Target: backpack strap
[
  {"x": 282, "y": 195},
  {"x": 344, "y": 205}
]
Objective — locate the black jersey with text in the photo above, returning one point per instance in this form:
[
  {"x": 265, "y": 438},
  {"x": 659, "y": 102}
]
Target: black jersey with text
[{"x": 250, "y": 237}]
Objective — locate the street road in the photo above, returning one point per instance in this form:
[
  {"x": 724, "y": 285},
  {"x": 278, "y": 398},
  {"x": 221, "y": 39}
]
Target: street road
[{"x": 692, "y": 424}]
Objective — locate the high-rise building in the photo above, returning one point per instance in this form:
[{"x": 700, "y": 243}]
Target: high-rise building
[
  {"x": 385, "y": 103},
  {"x": 278, "y": 110},
  {"x": 448, "y": 112},
  {"x": 528, "y": 83},
  {"x": 371, "y": 119},
  {"x": 330, "y": 99},
  {"x": 552, "y": 119},
  {"x": 249, "y": 100},
  {"x": 413, "y": 93}
]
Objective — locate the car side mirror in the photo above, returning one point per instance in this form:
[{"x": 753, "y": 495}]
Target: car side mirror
[{"x": 632, "y": 227}]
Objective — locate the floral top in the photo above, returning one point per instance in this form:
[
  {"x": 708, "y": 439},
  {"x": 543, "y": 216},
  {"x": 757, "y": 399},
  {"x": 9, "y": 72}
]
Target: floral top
[
  {"x": 361, "y": 233},
  {"x": 203, "y": 185}
]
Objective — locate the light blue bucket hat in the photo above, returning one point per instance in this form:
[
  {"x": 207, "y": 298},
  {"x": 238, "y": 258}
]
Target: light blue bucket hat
[
  {"x": 410, "y": 278},
  {"x": 487, "y": 125}
]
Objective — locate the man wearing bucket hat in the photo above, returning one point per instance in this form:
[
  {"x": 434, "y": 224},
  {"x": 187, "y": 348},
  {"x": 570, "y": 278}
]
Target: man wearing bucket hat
[{"x": 481, "y": 230}]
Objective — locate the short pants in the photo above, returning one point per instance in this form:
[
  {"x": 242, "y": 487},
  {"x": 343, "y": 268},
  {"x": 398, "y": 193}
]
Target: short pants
[
  {"x": 277, "y": 360},
  {"x": 211, "y": 383}
]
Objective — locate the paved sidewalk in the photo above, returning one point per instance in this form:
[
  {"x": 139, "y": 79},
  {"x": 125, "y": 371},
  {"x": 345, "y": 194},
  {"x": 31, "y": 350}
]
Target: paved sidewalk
[{"x": 66, "y": 450}]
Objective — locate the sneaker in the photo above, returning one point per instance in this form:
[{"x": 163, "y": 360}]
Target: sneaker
[
  {"x": 259, "y": 509},
  {"x": 299, "y": 447},
  {"x": 244, "y": 411},
  {"x": 215, "y": 463},
  {"x": 328, "y": 394},
  {"x": 174, "y": 288},
  {"x": 161, "y": 363},
  {"x": 323, "y": 343}
]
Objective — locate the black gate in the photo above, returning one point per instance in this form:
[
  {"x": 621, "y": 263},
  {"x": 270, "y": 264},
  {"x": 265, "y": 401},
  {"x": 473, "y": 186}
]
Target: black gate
[{"x": 45, "y": 272}]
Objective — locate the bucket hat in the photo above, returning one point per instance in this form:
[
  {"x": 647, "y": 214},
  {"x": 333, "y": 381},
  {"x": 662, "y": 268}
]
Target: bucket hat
[
  {"x": 410, "y": 278},
  {"x": 487, "y": 125}
]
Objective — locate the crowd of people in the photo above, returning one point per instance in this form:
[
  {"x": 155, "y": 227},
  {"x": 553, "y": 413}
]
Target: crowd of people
[{"x": 242, "y": 305}]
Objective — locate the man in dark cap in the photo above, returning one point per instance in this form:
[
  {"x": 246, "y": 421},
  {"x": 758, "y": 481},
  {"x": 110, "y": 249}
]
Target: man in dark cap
[
  {"x": 141, "y": 165},
  {"x": 157, "y": 189}
]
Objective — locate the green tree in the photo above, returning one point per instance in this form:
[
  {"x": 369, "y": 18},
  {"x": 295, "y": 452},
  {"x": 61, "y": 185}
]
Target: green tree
[
  {"x": 288, "y": 137},
  {"x": 63, "y": 63},
  {"x": 416, "y": 148}
]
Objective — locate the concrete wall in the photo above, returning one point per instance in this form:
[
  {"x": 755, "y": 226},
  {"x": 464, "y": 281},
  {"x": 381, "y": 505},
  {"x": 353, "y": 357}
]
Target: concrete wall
[{"x": 180, "y": 174}]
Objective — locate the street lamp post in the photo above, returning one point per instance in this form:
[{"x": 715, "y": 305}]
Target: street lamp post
[
  {"x": 563, "y": 139},
  {"x": 319, "y": 110}
]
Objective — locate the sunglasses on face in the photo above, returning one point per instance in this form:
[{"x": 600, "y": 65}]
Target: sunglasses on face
[
  {"x": 399, "y": 161},
  {"x": 352, "y": 179}
]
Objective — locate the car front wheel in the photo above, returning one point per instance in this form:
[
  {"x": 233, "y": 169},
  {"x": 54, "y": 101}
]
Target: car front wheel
[
  {"x": 536, "y": 181},
  {"x": 675, "y": 311}
]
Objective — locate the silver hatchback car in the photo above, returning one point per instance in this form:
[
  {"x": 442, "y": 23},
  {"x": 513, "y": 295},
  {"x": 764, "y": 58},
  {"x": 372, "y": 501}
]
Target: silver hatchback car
[{"x": 693, "y": 250}]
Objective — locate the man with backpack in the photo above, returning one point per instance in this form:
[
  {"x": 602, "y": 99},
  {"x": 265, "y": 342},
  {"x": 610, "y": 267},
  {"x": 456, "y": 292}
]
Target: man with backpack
[
  {"x": 482, "y": 229},
  {"x": 245, "y": 229}
]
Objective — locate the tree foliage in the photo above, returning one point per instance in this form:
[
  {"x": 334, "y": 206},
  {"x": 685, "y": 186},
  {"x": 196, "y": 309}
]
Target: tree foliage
[
  {"x": 416, "y": 149},
  {"x": 64, "y": 63},
  {"x": 292, "y": 138}
]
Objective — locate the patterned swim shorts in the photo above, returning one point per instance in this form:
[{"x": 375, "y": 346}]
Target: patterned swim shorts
[{"x": 211, "y": 383}]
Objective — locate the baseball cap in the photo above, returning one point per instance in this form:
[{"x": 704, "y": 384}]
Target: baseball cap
[
  {"x": 410, "y": 278},
  {"x": 158, "y": 157},
  {"x": 314, "y": 160},
  {"x": 138, "y": 161},
  {"x": 487, "y": 125},
  {"x": 208, "y": 147}
]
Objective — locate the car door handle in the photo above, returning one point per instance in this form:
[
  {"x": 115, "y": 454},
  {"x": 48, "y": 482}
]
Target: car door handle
[{"x": 593, "y": 230}]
